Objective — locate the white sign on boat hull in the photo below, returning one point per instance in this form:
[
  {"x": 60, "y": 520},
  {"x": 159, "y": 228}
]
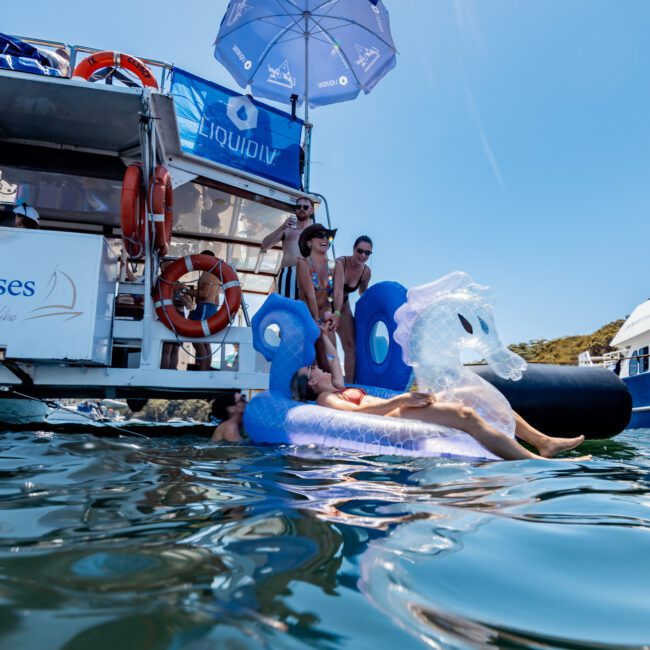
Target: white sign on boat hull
[{"x": 57, "y": 294}]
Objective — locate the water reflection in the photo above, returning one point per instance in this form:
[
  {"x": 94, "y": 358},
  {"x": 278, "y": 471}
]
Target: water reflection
[{"x": 184, "y": 544}]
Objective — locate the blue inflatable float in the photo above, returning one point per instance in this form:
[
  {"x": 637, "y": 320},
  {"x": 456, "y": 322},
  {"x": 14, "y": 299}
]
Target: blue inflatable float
[
  {"x": 424, "y": 330},
  {"x": 285, "y": 333}
]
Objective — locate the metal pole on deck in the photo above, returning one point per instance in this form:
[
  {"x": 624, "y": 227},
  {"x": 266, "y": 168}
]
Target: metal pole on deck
[
  {"x": 307, "y": 141},
  {"x": 145, "y": 143}
]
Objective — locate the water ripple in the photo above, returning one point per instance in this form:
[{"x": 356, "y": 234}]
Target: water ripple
[{"x": 176, "y": 543}]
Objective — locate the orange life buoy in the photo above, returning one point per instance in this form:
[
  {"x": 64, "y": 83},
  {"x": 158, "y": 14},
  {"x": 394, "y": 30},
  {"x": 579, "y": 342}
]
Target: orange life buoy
[
  {"x": 100, "y": 60},
  {"x": 162, "y": 207},
  {"x": 164, "y": 298},
  {"x": 132, "y": 212}
]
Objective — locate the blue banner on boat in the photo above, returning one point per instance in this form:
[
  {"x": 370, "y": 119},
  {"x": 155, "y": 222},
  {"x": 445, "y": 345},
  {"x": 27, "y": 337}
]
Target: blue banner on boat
[{"x": 236, "y": 130}]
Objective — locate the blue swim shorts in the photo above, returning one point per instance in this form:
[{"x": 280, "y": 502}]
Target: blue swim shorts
[{"x": 203, "y": 311}]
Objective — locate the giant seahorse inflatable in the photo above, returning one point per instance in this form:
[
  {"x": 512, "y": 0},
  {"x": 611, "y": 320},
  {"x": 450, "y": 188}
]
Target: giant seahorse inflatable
[{"x": 436, "y": 322}]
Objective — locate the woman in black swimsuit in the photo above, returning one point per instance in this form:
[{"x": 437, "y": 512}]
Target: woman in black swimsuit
[{"x": 351, "y": 274}]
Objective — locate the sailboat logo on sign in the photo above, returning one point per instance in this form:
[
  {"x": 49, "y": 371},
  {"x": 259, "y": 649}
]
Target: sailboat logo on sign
[
  {"x": 239, "y": 9},
  {"x": 281, "y": 76},
  {"x": 367, "y": 56}
]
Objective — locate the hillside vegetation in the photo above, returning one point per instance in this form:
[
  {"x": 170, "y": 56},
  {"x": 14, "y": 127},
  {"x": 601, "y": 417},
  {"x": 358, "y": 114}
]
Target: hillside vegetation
[
  {"x": 162, "y": 410},
  {"x": 565, "y": 350}
]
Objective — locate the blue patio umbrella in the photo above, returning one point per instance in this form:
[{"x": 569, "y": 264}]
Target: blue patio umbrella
[{"x": 322, "y": 51}]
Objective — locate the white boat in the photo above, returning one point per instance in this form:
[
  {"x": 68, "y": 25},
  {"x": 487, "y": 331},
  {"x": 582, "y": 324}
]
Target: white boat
[
  {"x": 630, "y": 361},
  {"x": 72, "y": 324}
]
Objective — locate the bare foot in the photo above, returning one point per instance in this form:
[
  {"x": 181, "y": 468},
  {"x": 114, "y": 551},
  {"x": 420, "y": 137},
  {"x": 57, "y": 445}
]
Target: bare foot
[{"x": 551, "y": 447}]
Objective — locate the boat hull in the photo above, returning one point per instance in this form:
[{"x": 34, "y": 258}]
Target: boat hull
[{"x": 639, "y": 387}]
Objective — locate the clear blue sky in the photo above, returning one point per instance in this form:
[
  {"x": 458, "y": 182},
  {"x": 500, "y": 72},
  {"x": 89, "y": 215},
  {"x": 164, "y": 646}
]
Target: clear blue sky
[{"x": 511, "y": 141}]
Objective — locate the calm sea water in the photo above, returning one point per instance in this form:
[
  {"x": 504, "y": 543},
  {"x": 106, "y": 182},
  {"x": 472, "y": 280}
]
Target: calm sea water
[{"x": 176, "y": 543}]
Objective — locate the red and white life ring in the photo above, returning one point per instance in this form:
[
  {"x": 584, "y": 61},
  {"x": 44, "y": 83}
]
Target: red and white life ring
[
  {"x": 176, "y": 322},
  {"x": 99, "y": 60},
  {"x": 132, "y": 212},
  {"x": 162, "y": 207}
]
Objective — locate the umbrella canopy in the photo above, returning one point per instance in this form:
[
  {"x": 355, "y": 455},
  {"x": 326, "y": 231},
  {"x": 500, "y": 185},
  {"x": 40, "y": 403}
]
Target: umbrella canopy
[{"x": 323, "y": 51}]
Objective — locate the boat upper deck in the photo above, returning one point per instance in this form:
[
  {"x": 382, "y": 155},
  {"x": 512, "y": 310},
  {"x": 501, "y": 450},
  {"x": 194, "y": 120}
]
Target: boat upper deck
[
  {"x": 66, "y": 143},
  {"x": 64, "y": 147}
]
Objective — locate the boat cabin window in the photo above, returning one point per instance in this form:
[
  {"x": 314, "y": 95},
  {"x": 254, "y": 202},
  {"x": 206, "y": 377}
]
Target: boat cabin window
[
  {"x": 204, "y": 217},
  {"x": 202, "y": 210},
  {"x": 633, "y": 368},
  {"x": 62, "y": 197},
  {"x": 643, "y": 360}
]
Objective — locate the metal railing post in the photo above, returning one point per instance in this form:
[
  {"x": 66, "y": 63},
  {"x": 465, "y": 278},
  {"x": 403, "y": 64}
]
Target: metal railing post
[
  {"x": 146, "y": 140},
  {"x": 327, "y": 214},
  {"x": 307, "y": 148}
]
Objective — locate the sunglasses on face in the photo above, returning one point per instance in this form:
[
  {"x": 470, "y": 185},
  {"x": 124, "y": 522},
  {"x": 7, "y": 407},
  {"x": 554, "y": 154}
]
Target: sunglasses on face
[
  {"x": 323, "y": 235},
  {"x": 303, "y": 207},
  {"x": 362, "y": 251}
]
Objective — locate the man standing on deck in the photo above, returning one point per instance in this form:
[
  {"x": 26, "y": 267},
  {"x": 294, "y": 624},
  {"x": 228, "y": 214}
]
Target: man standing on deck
[
  {"x": 207, "y": 301},
  {"x": 289, "y": 233}
]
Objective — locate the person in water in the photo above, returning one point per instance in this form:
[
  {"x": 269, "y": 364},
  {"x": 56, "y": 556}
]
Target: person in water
[
  {"x": 229, "y": 408},
  {"x": 316, "y": 282},
  {"x": 310, "y": 383},
  {"x": 352, "y": 274}
]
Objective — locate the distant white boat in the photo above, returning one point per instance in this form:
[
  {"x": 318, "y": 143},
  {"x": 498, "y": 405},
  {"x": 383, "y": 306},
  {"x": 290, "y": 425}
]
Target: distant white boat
[
  {"x": 83, "y": 412},
  {"x": 631, "y": 362}
]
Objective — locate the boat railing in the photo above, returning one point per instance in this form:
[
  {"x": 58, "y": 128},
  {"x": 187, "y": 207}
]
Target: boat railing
[
  {"x": 163, "y": 68},
  {"x": 607, "y": 360},
  {"x": 163, "y": 73}
]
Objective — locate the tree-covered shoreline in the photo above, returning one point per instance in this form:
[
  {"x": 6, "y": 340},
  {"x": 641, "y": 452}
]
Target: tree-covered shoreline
[{"x": 565, "y": 350}]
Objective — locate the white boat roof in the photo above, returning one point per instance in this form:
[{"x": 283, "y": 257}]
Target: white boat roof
[
  {"x": 70, "y": 113},
  {"x": 637, "y": 324}
]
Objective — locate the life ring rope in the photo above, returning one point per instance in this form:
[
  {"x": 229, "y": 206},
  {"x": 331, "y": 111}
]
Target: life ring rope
[
  {"x": 170, "y": 302},
  {"x": 164, "y": 304}
]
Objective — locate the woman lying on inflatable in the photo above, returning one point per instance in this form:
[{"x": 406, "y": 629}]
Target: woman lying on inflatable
[{"x": 311, "y": 384}]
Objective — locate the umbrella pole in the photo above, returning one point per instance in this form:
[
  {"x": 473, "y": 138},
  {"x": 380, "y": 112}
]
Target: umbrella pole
[{"x": 307, "y": 141}]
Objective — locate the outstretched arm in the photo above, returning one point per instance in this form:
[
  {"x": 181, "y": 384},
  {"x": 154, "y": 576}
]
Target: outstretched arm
[
  {"x": 338, "y": 295},
  {"x": 332, "y": 357},
  {"x": 275, "y": 237},
  {"x": 339, "y": 280}
]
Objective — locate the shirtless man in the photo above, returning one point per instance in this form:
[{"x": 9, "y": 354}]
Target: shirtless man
[
  {"x": 289, "y": 233},
  {"x": 207, "y": 300},
  {"x": 228, "y": 408}
]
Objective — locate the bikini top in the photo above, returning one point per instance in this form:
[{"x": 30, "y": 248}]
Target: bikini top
[
  {"x": 347, "y": 289},
  {"x": 316, "y": 280},
  {"x": 353, "y": 395}
]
